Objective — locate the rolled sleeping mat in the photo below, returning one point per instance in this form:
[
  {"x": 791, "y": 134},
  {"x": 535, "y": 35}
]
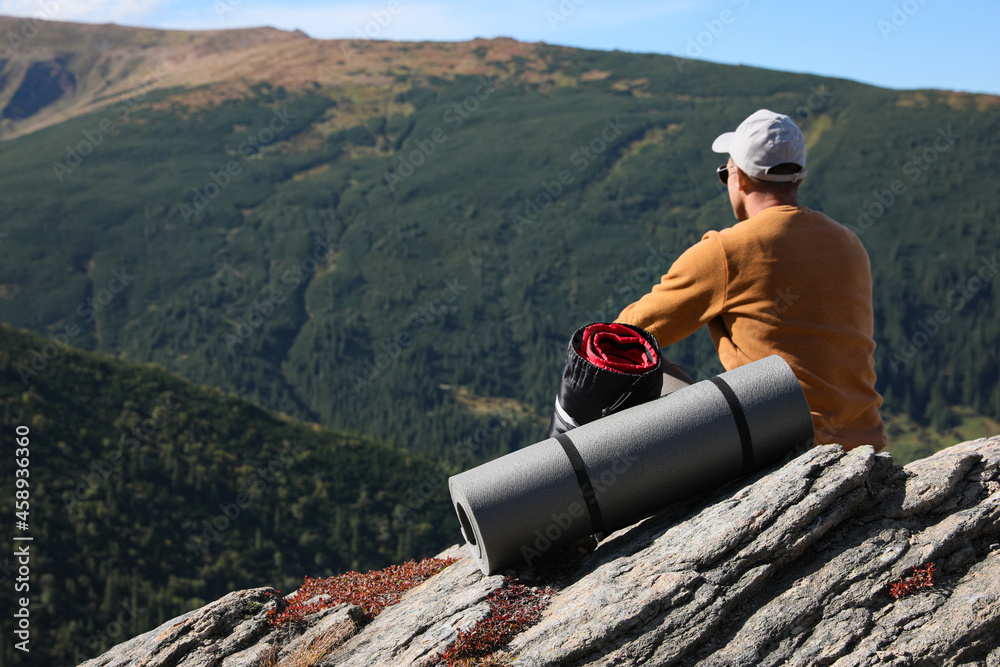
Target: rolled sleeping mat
[
  {"x": 609, "y": 367},
  {"x": 617, "y": 470}
]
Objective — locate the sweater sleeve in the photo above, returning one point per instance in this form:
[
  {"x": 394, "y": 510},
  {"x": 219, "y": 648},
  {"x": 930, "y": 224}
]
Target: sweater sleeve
[{"x": 692, "y": 293}]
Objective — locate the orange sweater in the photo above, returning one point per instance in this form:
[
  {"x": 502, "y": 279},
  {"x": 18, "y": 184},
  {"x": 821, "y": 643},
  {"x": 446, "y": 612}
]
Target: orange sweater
[{"x": 788, "y": 281}]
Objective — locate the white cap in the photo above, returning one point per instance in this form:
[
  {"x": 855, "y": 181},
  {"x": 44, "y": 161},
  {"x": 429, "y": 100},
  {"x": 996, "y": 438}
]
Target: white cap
[{"x": 765, "y": 140}]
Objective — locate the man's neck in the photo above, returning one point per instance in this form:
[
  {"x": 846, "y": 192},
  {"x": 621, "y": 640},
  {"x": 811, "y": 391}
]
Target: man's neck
[{"x": 759, "y": 201}]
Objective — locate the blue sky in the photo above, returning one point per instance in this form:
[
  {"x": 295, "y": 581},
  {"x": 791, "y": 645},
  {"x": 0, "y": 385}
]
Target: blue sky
[{"x": 892, "y": 43}]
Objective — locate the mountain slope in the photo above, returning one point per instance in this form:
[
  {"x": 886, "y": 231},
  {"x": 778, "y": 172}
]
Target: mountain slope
[
  {"x": 149, "y": 495},
  {"x": 382, "y": 238},
  {"x": 97, "y": 65}
]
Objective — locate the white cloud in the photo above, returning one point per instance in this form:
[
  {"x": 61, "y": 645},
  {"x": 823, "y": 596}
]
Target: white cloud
[
  {"x": 439, "y": 20},
  {"x": 88, "y": 11},
  {"x": 444, "y": 20},
  {"x": 399, "y": 20}
]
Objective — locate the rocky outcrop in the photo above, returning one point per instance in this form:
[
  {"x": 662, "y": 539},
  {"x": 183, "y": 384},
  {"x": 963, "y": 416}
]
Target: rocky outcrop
[{"x": 790, "y": 567}]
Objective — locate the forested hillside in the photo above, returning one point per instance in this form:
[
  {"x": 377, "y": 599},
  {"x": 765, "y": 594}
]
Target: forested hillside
[
  {"x": 149, "y": 496},
  {"x": 405, "y": 254}
]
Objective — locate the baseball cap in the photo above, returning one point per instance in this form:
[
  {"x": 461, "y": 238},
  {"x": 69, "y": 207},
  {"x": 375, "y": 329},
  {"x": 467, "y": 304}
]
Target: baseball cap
[{"x": 763, "y": 141}]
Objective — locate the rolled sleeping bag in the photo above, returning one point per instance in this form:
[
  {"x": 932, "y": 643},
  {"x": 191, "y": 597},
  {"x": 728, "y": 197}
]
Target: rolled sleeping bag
[
  {"x": 609, "y": 367},
  {"x": 617, "y": 470}
]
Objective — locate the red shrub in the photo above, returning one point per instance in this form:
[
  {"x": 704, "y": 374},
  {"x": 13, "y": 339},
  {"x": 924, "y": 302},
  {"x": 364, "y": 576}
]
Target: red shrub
[
  {"x": 512, "y": 608},
  {"x": 373, "y": 591},
  {"x": 922, "y": 577}
]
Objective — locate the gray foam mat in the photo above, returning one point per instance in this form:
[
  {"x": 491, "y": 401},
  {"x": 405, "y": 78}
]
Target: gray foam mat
[{"x": 638, "y": 461}]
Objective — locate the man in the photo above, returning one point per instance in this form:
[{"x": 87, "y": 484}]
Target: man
[{"x": 784, "y": 280}]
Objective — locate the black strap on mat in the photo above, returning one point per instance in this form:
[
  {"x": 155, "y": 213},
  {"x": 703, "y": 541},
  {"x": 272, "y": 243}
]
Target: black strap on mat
[
  {"x": 741, "y": 422},
  {"x": 583, "y": 479}
]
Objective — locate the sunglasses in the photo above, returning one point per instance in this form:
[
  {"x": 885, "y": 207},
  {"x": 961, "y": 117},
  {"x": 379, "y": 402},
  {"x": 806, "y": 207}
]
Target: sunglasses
[{"x": 723, "y": 173}]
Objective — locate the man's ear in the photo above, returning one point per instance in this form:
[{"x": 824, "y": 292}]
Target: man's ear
[{"x": 743, "y": 181}]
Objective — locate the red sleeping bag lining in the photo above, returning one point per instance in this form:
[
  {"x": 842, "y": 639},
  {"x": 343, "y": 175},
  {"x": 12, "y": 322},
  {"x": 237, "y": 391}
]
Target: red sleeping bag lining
[{"x": 615, "y": 347}]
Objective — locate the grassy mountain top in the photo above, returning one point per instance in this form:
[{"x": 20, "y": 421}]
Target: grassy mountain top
[
  {"x": 52, "y": 71},
  {"x": 95, "y": 65},
  {"x": 150, "y": 495},
  {"x": 69, "y": 69}
]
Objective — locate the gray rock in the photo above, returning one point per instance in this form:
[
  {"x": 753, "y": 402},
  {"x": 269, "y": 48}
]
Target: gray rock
[
  {"x": 426, "y": 620},
  {"x": 790, "y": 567},
  {"x": 201, "y": 638}
]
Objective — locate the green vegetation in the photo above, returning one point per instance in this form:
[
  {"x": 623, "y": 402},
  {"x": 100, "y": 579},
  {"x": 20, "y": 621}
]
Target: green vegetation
[
  {"x": 911, "y": 440},
  {"x": 413, "y": 278},
  {"x": 345, "y": 276},
  {"x": 151, "y": 496}
]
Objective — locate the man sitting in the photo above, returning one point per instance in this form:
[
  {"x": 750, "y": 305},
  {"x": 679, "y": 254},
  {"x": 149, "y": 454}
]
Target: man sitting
[{"x": 784, "y": 280}]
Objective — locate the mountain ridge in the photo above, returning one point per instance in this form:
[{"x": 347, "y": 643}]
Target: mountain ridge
[
  {"x": 227, "y": 57},
  {"x": 133, "y": 61}
]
